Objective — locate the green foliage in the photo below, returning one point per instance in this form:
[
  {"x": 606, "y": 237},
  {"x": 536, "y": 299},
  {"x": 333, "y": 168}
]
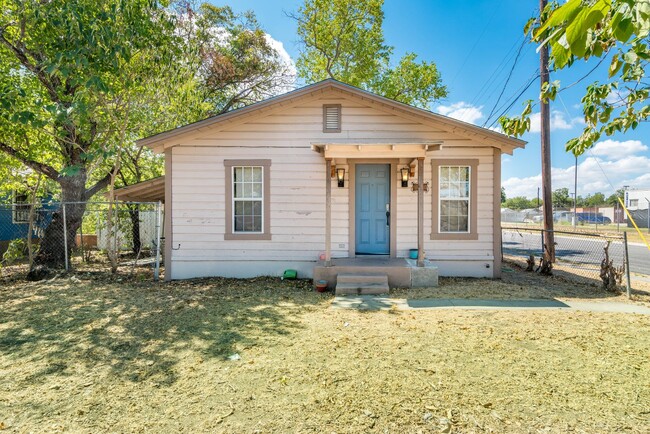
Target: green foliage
[
  {"x": 614, "y": 29},
  {"x": 519, "y": 203},
  {"x": 503, "y": 194},
  {"x": 15, "y": 251},
  {"x": 344, "y": 40},
  {"x": 235, "y": 61},
  {"x": 561, "y": 198},
  {"x": 597, "y": 199}
]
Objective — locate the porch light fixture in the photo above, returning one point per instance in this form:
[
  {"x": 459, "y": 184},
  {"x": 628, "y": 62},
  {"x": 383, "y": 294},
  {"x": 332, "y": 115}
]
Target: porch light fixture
[
  {"x": 340, "y": 177},
  {"x": 405, "y": 176}
]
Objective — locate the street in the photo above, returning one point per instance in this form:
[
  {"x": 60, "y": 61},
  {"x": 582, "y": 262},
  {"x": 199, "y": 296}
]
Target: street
[{"x": 577, "y": 249}]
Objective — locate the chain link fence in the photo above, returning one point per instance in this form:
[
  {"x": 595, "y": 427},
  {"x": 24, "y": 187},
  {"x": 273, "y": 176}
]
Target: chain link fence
[
  {"x": 578, "y": 255},
  {"x": 101, "y": 236}
]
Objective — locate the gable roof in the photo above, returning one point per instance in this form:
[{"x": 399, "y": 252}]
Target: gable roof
[{"x": 165, "y": 139}]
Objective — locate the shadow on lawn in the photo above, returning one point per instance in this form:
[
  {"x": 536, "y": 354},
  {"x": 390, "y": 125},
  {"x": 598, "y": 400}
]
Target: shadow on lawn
[{"x": 140, "y": 331}]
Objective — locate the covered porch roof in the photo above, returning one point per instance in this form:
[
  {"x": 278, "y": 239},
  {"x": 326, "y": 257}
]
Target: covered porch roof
[
  {"x": 411, "y": 149},
  {"x": 152, "y": 190}
]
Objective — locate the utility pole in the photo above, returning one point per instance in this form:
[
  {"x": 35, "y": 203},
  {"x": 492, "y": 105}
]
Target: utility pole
[
  {"x": 575, "y": 195},
  {"x": 549, "y": 242}
]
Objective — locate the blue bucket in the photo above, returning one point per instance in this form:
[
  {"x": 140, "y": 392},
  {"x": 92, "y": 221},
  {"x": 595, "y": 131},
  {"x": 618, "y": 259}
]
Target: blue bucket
[{"x": 413, "y": 253}]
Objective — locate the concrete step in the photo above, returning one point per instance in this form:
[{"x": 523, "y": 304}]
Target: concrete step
[{"x": 362, "y": 284}]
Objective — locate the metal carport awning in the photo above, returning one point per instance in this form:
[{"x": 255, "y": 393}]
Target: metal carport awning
[{"x": 152, "y": 190}]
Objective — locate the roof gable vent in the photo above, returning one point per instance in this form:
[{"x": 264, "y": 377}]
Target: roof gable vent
[{"x": 331, "y": 118}]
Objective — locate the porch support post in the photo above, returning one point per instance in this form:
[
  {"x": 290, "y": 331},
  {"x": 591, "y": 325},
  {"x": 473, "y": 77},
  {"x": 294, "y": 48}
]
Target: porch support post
[
  {"x": 328, "y": 212},
  {"x": 420, "y": 211}
]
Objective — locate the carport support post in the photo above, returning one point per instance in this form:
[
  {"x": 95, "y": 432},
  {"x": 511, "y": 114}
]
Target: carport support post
[
  {"x": 420, "y": 212},
  {"x": 627, "y": 266},
  {"x": 65, "y": 237},
  {"x": 156, "y": 274},
  {"x": 328, "y": 212}
]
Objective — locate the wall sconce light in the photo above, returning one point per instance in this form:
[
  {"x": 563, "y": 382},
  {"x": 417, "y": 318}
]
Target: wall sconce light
[
  {"x": 415, "y": 187},
  {"x": 340, "y": 177},
  {"x": 405, "y": 176}
]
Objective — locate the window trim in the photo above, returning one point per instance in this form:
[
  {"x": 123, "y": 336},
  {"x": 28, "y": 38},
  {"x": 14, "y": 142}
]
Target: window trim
[
  {"x": 266, "y": 200},
  {"x": 331, "y": 130},
  {"x": 22, "y": 205},
  {"x": 435, "y": 197}
]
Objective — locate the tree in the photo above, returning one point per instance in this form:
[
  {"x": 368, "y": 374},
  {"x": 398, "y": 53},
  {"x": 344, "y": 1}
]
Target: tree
[
  {"x": 519, "y": 203},
  {"x": 612, "y": 200},
  {"x": 233, "y": 56},
  {"x": 61, "y": 96},
  {"x": 561, "y": 198},
  {"x": 344, "y": 40},
  {"x": 595, "y": 199},
  {"x": 503, "y": 194},
  {"x": 604, "y": 29}
]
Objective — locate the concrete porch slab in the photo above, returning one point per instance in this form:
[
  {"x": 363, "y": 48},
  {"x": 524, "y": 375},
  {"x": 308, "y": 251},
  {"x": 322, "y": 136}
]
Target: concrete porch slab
[{"x": 401, "y": 272}]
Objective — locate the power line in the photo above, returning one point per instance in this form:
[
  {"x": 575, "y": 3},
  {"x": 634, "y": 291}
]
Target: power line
[
  {"x": 494, "y": 76},
  {"x": 507, "y": 80},
  {"x": 536, "y": 76},
  {"x": 473, "y": 47}
]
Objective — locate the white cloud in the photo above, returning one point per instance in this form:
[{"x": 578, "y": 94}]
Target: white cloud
[
  {"x": 462, "y": 111},
  {"x": 594, "y": 175},
  {"x": 615, "y": 150},
  {"x": 558, "y": 122}
]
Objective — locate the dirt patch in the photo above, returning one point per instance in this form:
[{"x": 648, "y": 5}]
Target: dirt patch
[
  {"x": 84, "y": 354},
  {"x": 521, "y": 285}
]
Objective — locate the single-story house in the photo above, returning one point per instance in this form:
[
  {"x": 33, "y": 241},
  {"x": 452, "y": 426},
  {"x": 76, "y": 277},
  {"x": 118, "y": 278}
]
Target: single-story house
[{"x": 325, "y": 173}]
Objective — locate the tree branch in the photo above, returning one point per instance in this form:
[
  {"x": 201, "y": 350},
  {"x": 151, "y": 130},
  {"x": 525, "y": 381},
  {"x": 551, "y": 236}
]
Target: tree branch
[
  {"x": 99, "y": 185},
  {"x": 38, "y": 72},
  {"x": 45, "y": 169}
]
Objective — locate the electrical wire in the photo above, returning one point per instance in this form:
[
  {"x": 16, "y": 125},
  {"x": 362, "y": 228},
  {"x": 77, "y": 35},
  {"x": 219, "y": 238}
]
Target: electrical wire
[{"x": 507, "y": 80}]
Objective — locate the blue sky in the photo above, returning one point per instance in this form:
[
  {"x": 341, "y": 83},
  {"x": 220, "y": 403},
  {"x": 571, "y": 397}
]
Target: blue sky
[{"x": 474, "y": 44}]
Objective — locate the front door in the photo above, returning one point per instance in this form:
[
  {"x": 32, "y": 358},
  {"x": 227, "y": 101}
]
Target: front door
[{"x": 372, "y": 209}]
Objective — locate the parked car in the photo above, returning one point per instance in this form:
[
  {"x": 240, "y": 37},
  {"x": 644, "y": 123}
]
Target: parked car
[{"x": 598, "y": 219}]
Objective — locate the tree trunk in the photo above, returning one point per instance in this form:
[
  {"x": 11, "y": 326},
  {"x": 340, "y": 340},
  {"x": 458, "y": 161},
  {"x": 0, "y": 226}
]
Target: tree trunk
[
  {"x": 52, "y": 251},
  {"x": 134, "y": 213}
]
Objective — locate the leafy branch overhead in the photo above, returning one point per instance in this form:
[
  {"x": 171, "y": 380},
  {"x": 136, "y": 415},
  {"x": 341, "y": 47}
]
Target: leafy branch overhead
[
  {"x": 614, "y": 31},
  {"x": 344, "y": 40}
]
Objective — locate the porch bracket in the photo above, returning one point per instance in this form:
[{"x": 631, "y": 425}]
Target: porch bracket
[{"x": 420, "y": 262}]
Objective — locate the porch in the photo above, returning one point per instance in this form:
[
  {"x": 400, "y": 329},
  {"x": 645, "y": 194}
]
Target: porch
[{"x": 400, "y": 272}]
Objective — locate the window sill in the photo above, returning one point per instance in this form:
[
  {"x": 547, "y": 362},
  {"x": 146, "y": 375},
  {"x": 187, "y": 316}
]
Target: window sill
[
  {"x": 247, "y": 237},
  {"x": 471, "y": 236}
]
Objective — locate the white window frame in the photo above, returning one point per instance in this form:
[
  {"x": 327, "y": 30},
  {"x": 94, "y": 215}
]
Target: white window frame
[
  {"x": 247, "y": 199},
  {"x": 19, "y": 208},
  {"x": 458, "y": 199}
]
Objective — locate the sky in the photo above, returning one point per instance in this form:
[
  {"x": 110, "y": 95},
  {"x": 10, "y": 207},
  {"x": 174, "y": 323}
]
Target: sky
[{"x": 475, "y": 44}]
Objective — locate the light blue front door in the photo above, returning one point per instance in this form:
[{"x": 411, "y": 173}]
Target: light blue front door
[{"x": 372, "y": 207}]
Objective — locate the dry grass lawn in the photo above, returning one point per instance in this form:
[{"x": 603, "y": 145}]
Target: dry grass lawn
[{"x": 89, "y": 354}]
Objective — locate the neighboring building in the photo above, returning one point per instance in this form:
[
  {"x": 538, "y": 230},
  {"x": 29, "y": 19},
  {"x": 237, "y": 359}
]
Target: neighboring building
[
  {"x": 325, "y": 172},
  {"x": 14, "y": 219},
  {"x": 637, "y": 199}
]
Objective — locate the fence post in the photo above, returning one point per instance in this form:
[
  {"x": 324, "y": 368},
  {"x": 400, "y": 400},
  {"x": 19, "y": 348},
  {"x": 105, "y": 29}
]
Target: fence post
[
  {"x": 156, "y": 273},
  {"x": 627, "y": 266},
  {"x": 65, "y": 237},
  {"x": 542, "y": 233}
]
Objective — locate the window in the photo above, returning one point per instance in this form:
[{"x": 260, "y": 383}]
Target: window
[
  {"x": 20, "y": 208},
  {"x": 247, "y": 199},
  {"x": 454, "y": 198},
  {"x": 453, "y": 211},
  {"x": 332, "y": 118},
  {"x": 634, "y": 202}
]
